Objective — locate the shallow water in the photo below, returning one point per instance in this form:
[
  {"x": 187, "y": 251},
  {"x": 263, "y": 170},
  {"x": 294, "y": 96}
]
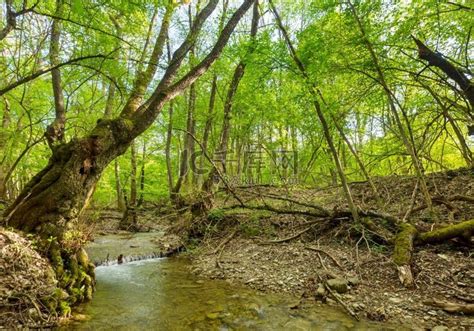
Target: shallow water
[{"x": 161, "y": 294}]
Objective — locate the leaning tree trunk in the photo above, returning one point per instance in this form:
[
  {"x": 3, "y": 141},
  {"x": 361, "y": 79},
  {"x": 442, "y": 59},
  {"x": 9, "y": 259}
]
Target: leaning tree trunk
[{"x": 52, "y": 201}]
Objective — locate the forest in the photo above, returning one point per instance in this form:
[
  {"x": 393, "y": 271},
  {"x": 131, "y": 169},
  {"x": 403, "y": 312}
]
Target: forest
[{"x": 315, "y": 158}]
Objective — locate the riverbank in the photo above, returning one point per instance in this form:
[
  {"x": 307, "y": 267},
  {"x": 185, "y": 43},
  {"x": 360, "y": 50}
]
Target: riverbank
[
  {"x": 300, "y": 255},
  {"x": 373, "y": 292},
  {"x": 278, "y": 246}
]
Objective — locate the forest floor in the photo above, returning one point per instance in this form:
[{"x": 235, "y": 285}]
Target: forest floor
[{"x": 294, "y": 253}]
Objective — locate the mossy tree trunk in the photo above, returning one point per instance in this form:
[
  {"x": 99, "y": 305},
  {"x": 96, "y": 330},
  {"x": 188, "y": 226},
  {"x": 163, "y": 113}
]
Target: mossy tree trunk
[
  {"x": 52, "y": 201},
  {"x": 403, "y": 252}
]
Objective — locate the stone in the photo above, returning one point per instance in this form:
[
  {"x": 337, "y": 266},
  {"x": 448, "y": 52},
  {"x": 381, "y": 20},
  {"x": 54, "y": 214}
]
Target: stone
[
  {"x": 439, "y": 328},
  {"x": 338, "y": 284},
  {"x": 358, "y": 306},
  {"x": 395, "y": 300},
  {"x": 321, "y": 291},
  {"x": 212, "y": 316},
  {"x": 353, "y": 281}
]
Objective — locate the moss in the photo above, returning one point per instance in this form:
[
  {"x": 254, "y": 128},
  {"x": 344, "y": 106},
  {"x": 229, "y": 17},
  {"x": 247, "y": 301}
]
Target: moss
[
  {"x": 74, "y": 269},
  {"x": 64, "y": 308},
  {"x": 82, "y": 258},
  {"x": 65, "y": 279},
  {"x": 251, "y": 228},
  {"x": 216, "y": 215},
  {"x": 463, "y": 229},
  {"x": 87, "y": 280},
  {"x": 91, "y": 270},
  {"x": 404, "y": 244},
  {"x": 76, "y": 295},
  {"x": 56, "y": 259},
  {"x": 88, "y": 293},
  {"x": 80, "y": 277}
]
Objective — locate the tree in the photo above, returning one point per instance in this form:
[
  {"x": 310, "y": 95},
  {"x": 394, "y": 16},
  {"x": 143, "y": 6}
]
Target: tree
[{"x": 57, "y": 195}]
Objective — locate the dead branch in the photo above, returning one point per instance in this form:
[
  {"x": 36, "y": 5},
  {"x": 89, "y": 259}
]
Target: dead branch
[
  {"x": 326, "y": 253},
  {"x": 276, "y": 241},
  {"x": 463, "y": 229},
  {"x": 338, "y": 299}
]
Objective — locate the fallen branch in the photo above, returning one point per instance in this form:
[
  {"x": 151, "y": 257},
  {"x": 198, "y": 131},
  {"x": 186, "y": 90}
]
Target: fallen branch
[
  {"x": 276, "y": 241},
  {"x": 311, "y": 248},
  {"x": 439, "y": 200},
  {"x": 403, "y": 252},
  {"x": 277, "y": 211},
  {"x": 338, "y": 299},
  {"x": 463, "y": 229},
  {"x": 220, "y": 248}
]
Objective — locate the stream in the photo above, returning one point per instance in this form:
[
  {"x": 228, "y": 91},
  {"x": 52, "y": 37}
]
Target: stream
[{"x": 162, "y": 294}]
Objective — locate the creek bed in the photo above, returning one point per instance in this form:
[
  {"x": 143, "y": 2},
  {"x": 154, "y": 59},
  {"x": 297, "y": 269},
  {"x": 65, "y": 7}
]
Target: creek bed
[{"x": 161, "y": 294}]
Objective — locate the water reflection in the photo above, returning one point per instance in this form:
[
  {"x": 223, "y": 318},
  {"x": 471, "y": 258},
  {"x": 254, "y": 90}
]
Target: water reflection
[{"x": 160, "y": 294}]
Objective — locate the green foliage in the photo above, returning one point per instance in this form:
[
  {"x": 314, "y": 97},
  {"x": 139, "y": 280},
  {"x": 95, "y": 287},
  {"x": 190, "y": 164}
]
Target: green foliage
[
  {"x": 271, "y": 110},
  {"x": 251, "y": 228},
  {"x": 216, "y": 215}
]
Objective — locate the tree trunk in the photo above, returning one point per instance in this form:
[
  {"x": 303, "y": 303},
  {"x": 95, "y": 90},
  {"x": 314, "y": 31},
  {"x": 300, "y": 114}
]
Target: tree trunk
[
  {"x": 55, "y": 131},
  {"x": 212, "y": 179},
  {"x": 51, "y": 202},
  {"x": 169, "y": 136},
  {"x": 358, "y": 160},
  {"x": 403, "y": 252},
  {"x": 118, "y": 188},
  {"x": 129, "y": 219},
  {"x": 188, "y": 150},
  {"x": 3, "y": 142},
  {"x": 409, "y": 144},
  {"x": 315, "y": 94},
  {"x": 141, "y": 199},
  {"x": 438, "y": 60},
  {"x": 210, "y": 115}
]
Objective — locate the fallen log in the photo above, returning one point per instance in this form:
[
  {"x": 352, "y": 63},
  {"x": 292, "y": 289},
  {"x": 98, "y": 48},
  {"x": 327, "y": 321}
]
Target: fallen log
[
  {"x": 463, "y": 229},
  {"x": 403, "y": 252}
]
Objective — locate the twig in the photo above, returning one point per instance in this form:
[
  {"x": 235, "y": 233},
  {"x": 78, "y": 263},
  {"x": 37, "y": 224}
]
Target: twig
[
  {"x": 412, "y": 202},
  {"x": 451, "y": 307},
  {"x": 321, "y": 261},
  {"x": 276, "y": 241},
  {"x": 221, "y": 246},
  {"x": 323, "y": 251}
]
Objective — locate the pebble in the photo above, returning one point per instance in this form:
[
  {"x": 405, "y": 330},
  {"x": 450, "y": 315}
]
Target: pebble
[
  {"x": 396, "y": 300},
  {"x": 354, "y": 281},
  {"x": 212, "y": 316},
  {"x": 432, "y": 312},
  {"x": 338, "y": 284}
]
